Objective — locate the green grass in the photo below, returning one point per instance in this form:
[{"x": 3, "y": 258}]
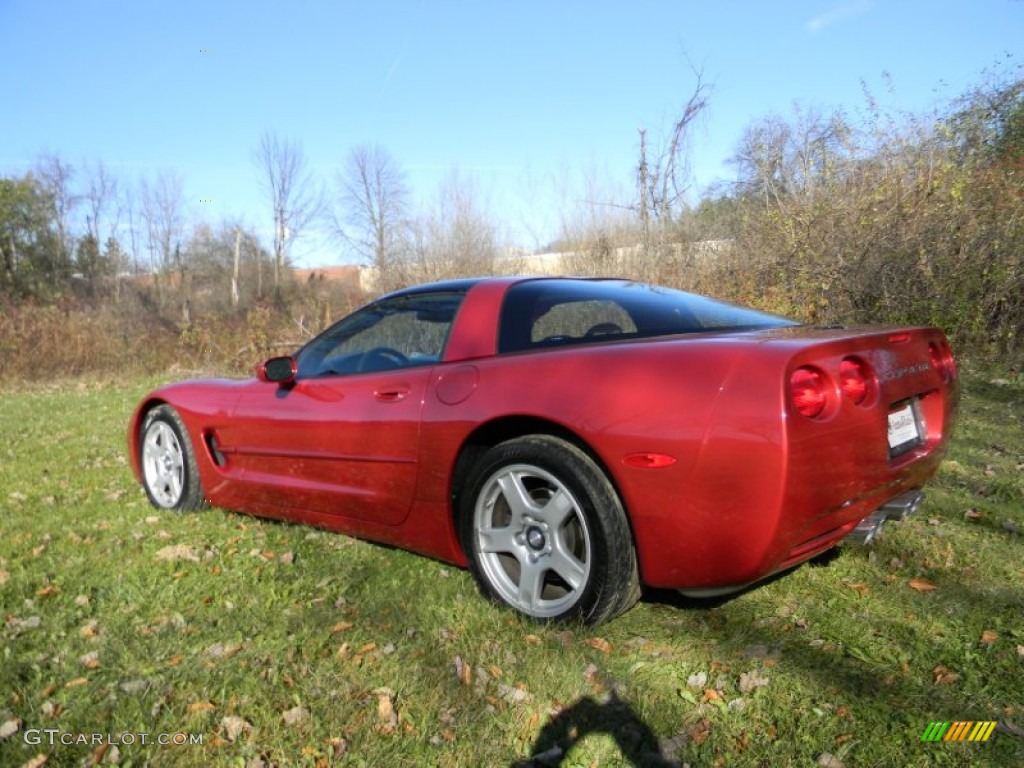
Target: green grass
[{"x": 101, "y": 635}]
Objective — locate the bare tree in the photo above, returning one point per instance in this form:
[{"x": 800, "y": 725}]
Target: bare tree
[
  {"x": 163, "y": 218},
  {"x": 55, "y": 176},
  {"x": 663, "y": 179},
  {"x": 295, "y": 198},
  {"x": 458, "y": 238},
  {"x": 374, "y": 200}
]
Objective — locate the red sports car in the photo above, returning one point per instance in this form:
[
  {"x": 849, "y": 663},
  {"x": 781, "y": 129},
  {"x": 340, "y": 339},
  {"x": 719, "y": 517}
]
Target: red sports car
[{"x": 569, "y": 439}]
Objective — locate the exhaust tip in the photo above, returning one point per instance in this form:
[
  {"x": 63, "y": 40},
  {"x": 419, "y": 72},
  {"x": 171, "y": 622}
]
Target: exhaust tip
[
  {"x": 867, "y": 530},
  {"x": 903, "y": 506}
]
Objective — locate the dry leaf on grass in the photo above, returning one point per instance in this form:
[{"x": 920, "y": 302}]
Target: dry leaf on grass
[
  {"x": 988, "y": 637},
  {"x": 600, "y": 644},
  {"x": 90, "y": 660},
  {"x": 942, "y": 676},
  {"x": 463, "y": 671},
  {"x": 860, "y": 589},
  {"x": 341, "y": 626},
  {"x": 35, "y": 762},
  {"x": 386, "y": 708},
  {"x": 9, "y": 728},
  {"x": 295, "y": 716},
  {"x": 750, "y": 681},
  {"x": 201, "y": 706},
  {"x": 178, "y": 552},
  {"x": 699, "y": 732},
  {"x": 234, "y": 726},
  {"x": 922, "y": 585}
]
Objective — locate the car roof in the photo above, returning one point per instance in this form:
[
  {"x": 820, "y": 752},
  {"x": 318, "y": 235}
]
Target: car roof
[{"x": 462, "y": 285}]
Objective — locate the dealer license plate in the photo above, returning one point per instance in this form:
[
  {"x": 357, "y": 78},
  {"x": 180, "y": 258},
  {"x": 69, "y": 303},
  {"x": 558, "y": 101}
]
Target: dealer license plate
[{"x": 903, "y": 431}]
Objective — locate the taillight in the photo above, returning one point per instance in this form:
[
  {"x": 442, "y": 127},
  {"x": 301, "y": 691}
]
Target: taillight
[
  {"x": 809, "y": 389},
  {"x": 942, "y": 361},
  {"x": 855, "y": 379}
]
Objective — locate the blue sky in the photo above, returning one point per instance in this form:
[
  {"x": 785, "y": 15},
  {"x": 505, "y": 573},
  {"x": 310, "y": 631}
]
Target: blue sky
[{"x": 519, "y": 96}]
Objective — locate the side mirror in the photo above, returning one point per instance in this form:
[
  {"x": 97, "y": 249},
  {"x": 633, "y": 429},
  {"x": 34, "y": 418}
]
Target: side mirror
[{"x": 278, "y": 370}]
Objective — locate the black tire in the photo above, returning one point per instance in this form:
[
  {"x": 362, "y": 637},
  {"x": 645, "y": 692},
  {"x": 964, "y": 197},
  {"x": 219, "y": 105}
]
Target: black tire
[
  {"x": 546, "y": 534},
  {"x": 167, "y": 460}
]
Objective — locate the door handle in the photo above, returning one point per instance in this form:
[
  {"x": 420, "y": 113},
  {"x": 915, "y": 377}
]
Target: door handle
[{"x": 392, "y": 395}]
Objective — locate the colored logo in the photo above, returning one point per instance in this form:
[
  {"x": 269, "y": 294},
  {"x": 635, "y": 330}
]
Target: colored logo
[{"x": 961, "y": 730}]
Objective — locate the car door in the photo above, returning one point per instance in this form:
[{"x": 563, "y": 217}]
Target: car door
[{"x": 343, "y": 438}]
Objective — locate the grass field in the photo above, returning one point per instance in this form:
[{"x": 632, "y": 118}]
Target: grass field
[{"x": 283, "y": 645}]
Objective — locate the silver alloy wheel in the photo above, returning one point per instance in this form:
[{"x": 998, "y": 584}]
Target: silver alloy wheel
[
  {"x": 533, "y": 540},
  {"x": 163, "y": 464}
]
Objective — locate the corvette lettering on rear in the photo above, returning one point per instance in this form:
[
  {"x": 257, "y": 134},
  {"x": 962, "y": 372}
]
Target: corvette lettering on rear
[{"x": 899, "y": 373}]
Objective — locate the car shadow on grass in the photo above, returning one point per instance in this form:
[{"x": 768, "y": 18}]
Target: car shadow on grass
[{"x": 612, "y": 716}]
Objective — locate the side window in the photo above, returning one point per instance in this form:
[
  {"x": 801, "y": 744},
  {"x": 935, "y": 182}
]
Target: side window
[
  {"x": 396, "y": 333},
  {"x": 578, "y": 320}
]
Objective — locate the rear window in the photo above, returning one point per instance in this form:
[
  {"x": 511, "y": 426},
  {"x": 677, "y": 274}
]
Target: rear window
[{"x": 556, "y": 312}]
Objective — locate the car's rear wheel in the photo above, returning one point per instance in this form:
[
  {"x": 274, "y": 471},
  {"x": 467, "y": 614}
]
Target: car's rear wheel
[
  {"x": 546, "y": 533},
  {"x": 169, "y": 472}
]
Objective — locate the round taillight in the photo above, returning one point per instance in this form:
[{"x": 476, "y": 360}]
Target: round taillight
[
  {"x": 808, "y": 388},
  {"x": 855, "y": 379}
]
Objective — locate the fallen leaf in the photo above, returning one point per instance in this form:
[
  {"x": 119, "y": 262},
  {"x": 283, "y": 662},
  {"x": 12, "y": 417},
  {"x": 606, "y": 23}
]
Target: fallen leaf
[
  {"x": 513, "y": 694},
  {"x": 988, "y": 637},
  {"x": 295, "y": 716},
  {"x": 710, "y": 694},
  {"x": 532, "y": 640},
  {"x": 201, "y": 706},
  {"x": 698, "y": 680},
  {"x": 9, "y": 728},
  {"x": 921, "y": 585},
  {"x": 90, "y": 660},
  {"x": 973, "y": 514},
  {"x": 386, "y": 708},
  {"x": 861, "y": 589},
  {"x": 591, "y": 674},
  {"x": 341, "y": 626},
  {"x": 1020, "y": 651},
  {"x": 35, "y": 762},
  {"x": 234, "y": 726},
  {"x": 338, "y": 747},
  {"x": 942, "y": 676},
  {"x": 287, "y": 558},
  {"x": 463, "y": 671},
  {"x": 826, "y": 760},
  {"x": 4, "y": 576},
  {"x": 76, "y": 682},
  {"x": 175, "y": 660},
  {"x": 699, "y": 732},
  {"x": 600, "y": 644},
  {"x": 751, "y": 681},
  {"x": 134, "y": 686},
  {"x": 89, "y": 628},
  {"x": 178, "y": 552}
]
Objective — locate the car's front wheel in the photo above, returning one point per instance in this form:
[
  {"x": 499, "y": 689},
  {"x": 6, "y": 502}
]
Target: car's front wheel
[
  {"x": 546, "y": 534},
  {"x": 169, "y": 472}
]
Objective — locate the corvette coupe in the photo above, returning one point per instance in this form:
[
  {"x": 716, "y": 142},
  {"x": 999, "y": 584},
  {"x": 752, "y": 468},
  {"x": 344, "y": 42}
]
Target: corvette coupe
[{"x": 568, "y": 439}]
